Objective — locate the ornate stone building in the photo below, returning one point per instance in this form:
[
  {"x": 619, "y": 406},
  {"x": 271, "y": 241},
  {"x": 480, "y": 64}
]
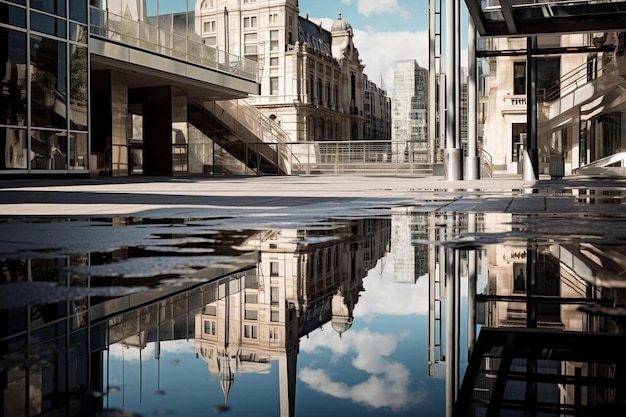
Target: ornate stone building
[{"x": 311, "y": 78}]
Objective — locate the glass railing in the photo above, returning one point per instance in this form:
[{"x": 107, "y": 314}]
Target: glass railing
[
  {"x": 265, "y": 130},
  {"x": 152, "y": 38}
]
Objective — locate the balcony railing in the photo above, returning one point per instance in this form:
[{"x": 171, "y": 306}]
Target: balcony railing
[{"x": 154, "y": 39}]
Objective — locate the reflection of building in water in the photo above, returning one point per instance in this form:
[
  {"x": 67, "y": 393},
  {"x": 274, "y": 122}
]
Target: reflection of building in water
[
  {"x": 508, "y": 280},
  {"x": 548, "y": 288},
  {"x": 410, "y": 258},
  {"x": 305, "y": 278}
]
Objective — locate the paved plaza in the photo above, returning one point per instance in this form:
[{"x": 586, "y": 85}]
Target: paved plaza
[{"x": 199, "y": 197}]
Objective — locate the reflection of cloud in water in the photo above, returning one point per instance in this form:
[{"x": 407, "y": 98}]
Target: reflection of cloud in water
[
  {"x": 119, "y": 351},
  {"x": 389, "y": 382},
  {"x": 383, "y": 295}
]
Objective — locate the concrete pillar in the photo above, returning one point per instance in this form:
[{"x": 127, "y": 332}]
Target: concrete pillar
[
  {"x": 531, "y": 152},
  {"x": 432, "y": 79},
  {"x": 472, "y": 162},
  {"x": 472, "y": 277},
  {"x": 119, "y": 115},
  {"x": 453, "y": 156},
  {"x": 452, "y": 329}
]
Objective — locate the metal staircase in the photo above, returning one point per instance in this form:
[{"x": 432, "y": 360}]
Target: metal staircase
[{"x": 246, "y": 134}]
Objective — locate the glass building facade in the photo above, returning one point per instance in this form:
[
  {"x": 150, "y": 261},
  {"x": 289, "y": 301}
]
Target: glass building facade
[
  {"x": 74, "y": 102},
  {"x": 44, "y": 96}
]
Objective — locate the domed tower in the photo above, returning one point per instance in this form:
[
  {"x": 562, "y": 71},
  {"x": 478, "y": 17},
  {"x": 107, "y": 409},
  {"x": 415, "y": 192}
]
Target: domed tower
[
  {"x": 342, "y": 309},
  {"x": 341, "y": 32},
  {"x": 351, "y": 73}
]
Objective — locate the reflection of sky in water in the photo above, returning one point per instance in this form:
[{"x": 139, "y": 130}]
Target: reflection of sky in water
[
  {"x": 378, "y": 367},
  {"x": 186, "y": 387}
]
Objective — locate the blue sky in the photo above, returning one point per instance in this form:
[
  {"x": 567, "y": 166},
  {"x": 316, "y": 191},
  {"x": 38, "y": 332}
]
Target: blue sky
[{"x": 385, "y": 31}]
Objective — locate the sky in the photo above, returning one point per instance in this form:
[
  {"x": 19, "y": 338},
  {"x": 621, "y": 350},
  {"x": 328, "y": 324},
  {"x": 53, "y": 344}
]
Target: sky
[{"x": 385, "y": 31}]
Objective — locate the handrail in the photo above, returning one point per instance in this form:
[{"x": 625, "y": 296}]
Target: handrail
[
  {"x": 263, "y": 128},
  {"x": 142, "y": 35},
  {"x": 619, "y": 157},
  {"x": 571, "y": 80},
  {"x": 487, "y": 159}
]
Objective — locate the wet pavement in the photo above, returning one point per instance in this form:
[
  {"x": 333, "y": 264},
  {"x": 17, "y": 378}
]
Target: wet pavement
[{"x": 313, "y": 294}]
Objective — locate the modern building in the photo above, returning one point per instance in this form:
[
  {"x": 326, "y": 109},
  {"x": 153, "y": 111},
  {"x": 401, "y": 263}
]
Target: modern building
[
  {"x": 377, "y": 110},
  {"x": 409, "y": 107},
  {"x": 578, "y": 97},
  {"x": 129, "y": 87},
  {"x": 311, "y": 78},
  {"x": 505, "y": 112}
]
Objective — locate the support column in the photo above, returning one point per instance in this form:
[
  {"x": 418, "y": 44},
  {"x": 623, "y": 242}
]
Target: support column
[
  {"x": 119, "y": 114},
  {"x": 453, "y": 155},
  {"x": 472, "y": 277},
  {"x": 453, "y": 315},
  {"x": 531, "y": 285},
  {"x": 432, "y": 80},
  {"x": 472, "y": 164},
  {"x": 531, "y": 152},
  {"x": 452, "y": 329}
]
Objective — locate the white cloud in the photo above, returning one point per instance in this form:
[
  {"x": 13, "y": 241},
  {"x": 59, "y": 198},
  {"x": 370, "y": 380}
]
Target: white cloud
[
  {"x": 120, "y": 351},
  {"x": 379, "y": 51},
  {"x": 400, "y": 299},
  {"x": 389, "y": 382},
  {"x": 367, "y": 7}
]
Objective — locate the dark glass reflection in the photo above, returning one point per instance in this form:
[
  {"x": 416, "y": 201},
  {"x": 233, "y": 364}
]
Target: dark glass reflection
[
  {"x": 11, "y": 15},
  {"x": 48, "y": 82},
  {"x": 78, "y": 87},
  {"x": 13, "y": 72},
  {"x": 56, "y": 7},
  {"x": 78, "y": 11},
  {"x": 337, "y": 317},
  {"x": 48, "y": 149},
  {"x": 47, "y": 24}
]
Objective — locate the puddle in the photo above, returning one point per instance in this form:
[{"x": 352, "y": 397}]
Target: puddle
[{"x": 310, "y": 315}]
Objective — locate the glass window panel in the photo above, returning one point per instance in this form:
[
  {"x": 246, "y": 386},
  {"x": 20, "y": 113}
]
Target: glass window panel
[
  {"x": 12, "y": 15},
  {"x": 48, "y": 150},
  {"x": 48, "y": 82},
  {"x": 22, "y": 2},
  {"x": 79, "y": 152},
  {"x": 211, "y": 310},
  {"x": 47, "y": 24},
  {"x": 56, "y": 7},
  {"x": 13, "y": 75},
  {"x": 14, "y": 146},
  {"x": 519, "y": 78},
  {"x": 78, "y": 87},
  {"x": 251, "y": 315},
  {"x": 78, "y": 33},
  {"x": 78, "y": 10}
]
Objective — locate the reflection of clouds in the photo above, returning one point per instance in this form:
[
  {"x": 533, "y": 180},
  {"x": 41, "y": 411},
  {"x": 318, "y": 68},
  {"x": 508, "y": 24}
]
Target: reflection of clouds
[
  {"x": 389, "y": 382},
  {"x": 119, "y": 351},
  {"x": 398, "y": 299},
  {"x": 385, "y": 296}
]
